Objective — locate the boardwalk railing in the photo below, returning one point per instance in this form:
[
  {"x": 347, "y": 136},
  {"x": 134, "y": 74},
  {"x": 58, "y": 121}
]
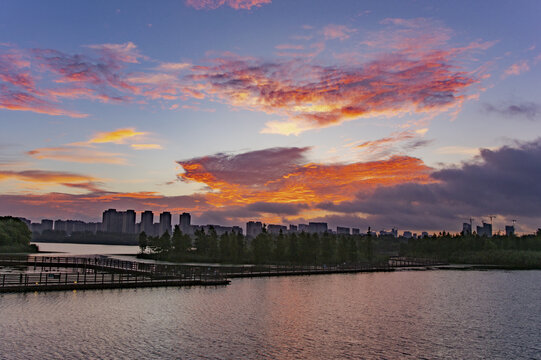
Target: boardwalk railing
[
  {"x": 74, "y": 281},
  {"x": 402, "y": 261}
]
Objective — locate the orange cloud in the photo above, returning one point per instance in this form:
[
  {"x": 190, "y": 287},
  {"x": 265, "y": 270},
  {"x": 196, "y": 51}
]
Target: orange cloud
[
  {"x": 235, "y": 4},
  {"x": 316, "y": 96},
  {"x": 49, "y": 178},
  {"x": 118, "y": 136},
  {"x": 146, "y": 146},
  {"x": 41, "y": 176},
  {"x": 281, "y": 175},
  {"x": 77, "y": 154},
  {"x": 173, "y": 66}
]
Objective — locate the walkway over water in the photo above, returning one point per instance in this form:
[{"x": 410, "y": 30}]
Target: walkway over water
[{"x": 101, "y": 272}]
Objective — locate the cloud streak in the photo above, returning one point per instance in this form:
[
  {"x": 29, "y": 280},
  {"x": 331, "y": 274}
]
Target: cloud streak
[
  {"x": 235, "y": 4},
  {"x": 529, "y": 110},
  {"x": 77, "y": 154}
]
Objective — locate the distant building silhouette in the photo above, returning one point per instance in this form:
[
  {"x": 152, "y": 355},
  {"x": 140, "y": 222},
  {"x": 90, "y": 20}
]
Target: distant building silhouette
[
  {"x": 342, "y": 230},
  {"x": 317, "y": 227},
  {"x": 355, "y": 231},
  {"x": 185, "y": 221},
  {"x": 466, "y": 229},
  {"x": 275, "y": 229},
  {"x": 165, "y": 223},
  {"x": 509, "y": 230},
  {"x": 112, "y": 221},
  {"x": 253, "y": 228},
  {"x": 393, "y": 233},
  {"x": 147, "y": 222},
  {"x": 485, "y": 230}
]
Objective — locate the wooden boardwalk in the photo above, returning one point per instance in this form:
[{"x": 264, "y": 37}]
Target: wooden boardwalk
[
  {"x": 100, "y": 272},
  {"x": 80, "y": 281}
]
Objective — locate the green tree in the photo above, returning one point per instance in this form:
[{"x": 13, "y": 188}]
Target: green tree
[
  {"x": 142, "y": 241},
  {"x": 261, "y": 248},
  {"x": 201, "y": 242},
  {"x": 280, "y": 248},
  {"x": 14, "y": 233}
]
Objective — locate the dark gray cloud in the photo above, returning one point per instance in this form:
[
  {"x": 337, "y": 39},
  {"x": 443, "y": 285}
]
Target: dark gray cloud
[
  {"x": 250, "y": 168},
  {"x": 503, "y": 182},
  {"x": 277, "y": 208},
  {"x": 529, "y": 110}
]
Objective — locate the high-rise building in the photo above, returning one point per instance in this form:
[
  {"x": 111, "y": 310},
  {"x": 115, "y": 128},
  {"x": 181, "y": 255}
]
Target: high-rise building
[
  {"x": 292, "y": 228},
  {"x": 509, "y": 230},
  {"x": 46, "y": 224},
  {"x": 466, "y": 229},
  {"x": 254, "y": 228},
  {"x": 165, "y": 223},
  {"x": 275, "y": 229},
  {"x": 317, "y": 227},
  {"x": 185, "y": 223},
  {"x": 112, "y": 221},
  {"x": 485, "y": 230},
  {"x": 342, "y": 230},
  {"x": 147, "y": 222},
  {"x": 355, "y": 231},
  {"x": 128, "y": 221}
]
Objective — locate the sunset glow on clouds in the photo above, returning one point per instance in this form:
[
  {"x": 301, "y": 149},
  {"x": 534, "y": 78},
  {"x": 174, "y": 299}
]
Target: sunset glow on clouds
[
  {"x": 389, "y": 111},
  {"x": 283, "y": 175}
]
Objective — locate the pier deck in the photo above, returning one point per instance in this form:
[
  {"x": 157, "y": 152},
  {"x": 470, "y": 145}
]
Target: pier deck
[{"x": 101, "y": 272}]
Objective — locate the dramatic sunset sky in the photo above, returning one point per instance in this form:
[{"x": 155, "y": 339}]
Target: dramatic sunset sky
[{"x": 409, "y": 114}]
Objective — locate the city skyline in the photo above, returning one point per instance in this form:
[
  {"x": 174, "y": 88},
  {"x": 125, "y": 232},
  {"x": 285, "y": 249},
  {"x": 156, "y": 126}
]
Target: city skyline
[
  {"x": 408, "y": 114},
  {"x": 114, "y": 221}
]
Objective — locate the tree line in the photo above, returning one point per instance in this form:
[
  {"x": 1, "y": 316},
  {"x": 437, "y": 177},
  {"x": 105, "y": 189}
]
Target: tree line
[
  {"x": 519, "y": 251},
  {"x": 266, "y": 248}
]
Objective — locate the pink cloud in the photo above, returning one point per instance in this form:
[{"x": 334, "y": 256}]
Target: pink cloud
[
  {"x": 316, "y": 96},
  {"x": 517, "y": 69},
  {"x": 340, "y": 32}
]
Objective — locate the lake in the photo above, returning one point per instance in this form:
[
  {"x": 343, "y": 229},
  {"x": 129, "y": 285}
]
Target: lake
[{"x": 439, "y": 314}]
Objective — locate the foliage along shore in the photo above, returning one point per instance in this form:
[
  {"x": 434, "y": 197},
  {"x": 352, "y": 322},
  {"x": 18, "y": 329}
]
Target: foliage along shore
[
  {"x": 15, "y": 236},
  {"x": 505, "y": 252},
  {"x": 303, "y": 248}
]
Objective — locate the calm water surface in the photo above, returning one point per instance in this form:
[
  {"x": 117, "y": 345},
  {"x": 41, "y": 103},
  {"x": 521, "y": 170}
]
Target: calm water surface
[
  {"x": 405, "y": 314},
  {"x": 66, "y": 249}
]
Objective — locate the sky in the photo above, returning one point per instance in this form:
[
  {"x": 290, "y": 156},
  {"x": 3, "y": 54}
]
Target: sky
[{"x": 417, "y": 115}]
